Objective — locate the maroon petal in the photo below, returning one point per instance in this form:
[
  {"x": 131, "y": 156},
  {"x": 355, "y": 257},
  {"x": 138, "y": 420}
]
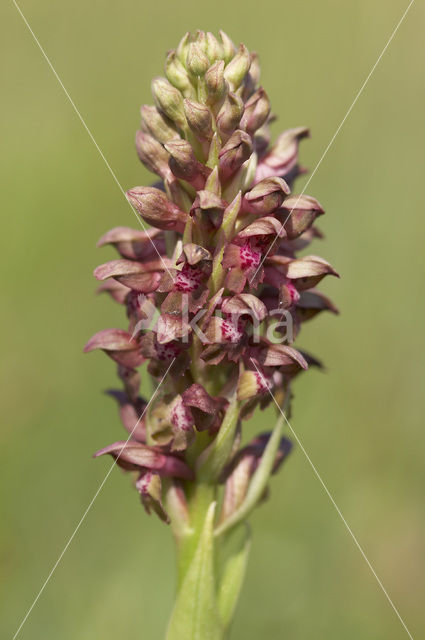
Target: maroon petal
[
  {"x": 196, "y": 396},
  {"x": 111, "y": 340},
  {"x": 308, "y": 271},
  {"x": 279, "y": 355}
]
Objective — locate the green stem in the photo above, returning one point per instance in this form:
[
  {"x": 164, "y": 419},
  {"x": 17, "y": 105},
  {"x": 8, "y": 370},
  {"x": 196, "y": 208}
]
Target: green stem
[
  {"x": 199, "y": 500},
  {"x": 210, "y": 572}
]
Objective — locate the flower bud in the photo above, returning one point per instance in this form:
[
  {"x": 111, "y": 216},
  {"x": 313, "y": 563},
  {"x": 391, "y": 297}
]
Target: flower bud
[
  {"x": 156, "y": 124},
  {"x": 182, "y": 47},
  {"x": 266, "y": 196},
  {"x": 213, "y": 49},
  {"x": 199, "y": 119},
  {"x": 201, "y": 40},
  {"x": 184, "y": 164},
  {"x": 256, "y": 112},
  {"x": 215, "y": 83},
  {"x": 170, "y": 101},
  {"x": 234, "y": 153},
  {"x": 154, "y": 206},
  {"x": 197, "y": 61},
  {"x": 230, "y": 114},
  {"x": 177, "y": 74},
  {"x": 237, "y": 68},
  {"x": 152, "y": 154},
  {"x": 229, "y": 48}
]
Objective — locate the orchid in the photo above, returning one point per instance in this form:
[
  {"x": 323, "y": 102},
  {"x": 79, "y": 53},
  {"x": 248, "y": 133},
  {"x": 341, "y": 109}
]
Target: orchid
[{"x": 215, "y": 294}]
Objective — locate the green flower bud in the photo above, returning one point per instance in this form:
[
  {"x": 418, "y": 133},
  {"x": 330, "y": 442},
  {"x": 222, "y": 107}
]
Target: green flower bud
[
  {"x": 199, "y": 119},
  {"x": 229, "y": 48},
  {"x": 152, "y": 154},
  {"x": 213, "y": 50},
  {"x": 230, "y": 114},
  {"x": 177, "y": 74},
  {"x": 182, "y": 47},
  {"x": 184, "y": 164},
  {"x": 201, "y": 40},
  {"x": 170, "y": 101},
  {"x": 156, "y": 124},
  {"x": 215, "y": 83},
  {"x": 197, "y": 61},
  {"x": 238, "y": 67}
]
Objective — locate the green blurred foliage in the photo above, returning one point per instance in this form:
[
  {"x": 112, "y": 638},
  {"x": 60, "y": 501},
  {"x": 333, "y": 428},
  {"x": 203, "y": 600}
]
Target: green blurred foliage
[{"x": 361, "y": 423}]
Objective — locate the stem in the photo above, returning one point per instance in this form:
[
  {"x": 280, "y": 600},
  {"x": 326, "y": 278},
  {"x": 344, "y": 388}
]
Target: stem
[
  {"x": 210, "y": 572},
  {"x": 199, "y": 500}
]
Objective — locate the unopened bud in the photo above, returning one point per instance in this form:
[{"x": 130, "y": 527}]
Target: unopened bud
[
  {"x": 156, "y": 124},
  {"x": 229, "y": 48},
  {"x": 215, "y": 83},
  {"x": 199, "y": 119},
  {"x": 177, "y": 74},
  {"x": 197, "y": 61},
  {"x": 183, "y": 47},
  {"x": 184, "y": 164},
  {"x": 152, "y": 154},
  {"x": 170, "y": 101},
  {"x": 213, "y": 48},
  {"x": 230, "y": 114},
  {"x": 267, "y": 196},
  {"x": 154, "y": 207},
  {"x": 201, "y": 40},
  {"x": 234, "y": 153},
  {"x": 256, "y": 112},
  {"x": 237, "y": 68}
]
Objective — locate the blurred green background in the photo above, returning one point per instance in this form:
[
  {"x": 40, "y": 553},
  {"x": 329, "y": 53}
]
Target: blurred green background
[{"x": 361, "y": 423}]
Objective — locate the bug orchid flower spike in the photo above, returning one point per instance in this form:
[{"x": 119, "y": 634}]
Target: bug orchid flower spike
[{"x": 215, "y": 295}]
